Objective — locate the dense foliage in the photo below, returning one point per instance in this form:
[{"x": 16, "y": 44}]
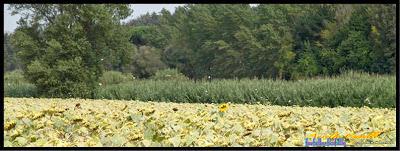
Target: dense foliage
[
  {"x": 276, "y": 41},
  {"x": 63, "y": 49},
  {"x": 78, "y": 122}
]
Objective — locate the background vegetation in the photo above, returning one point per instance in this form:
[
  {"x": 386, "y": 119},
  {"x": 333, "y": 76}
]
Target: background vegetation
[{"x": 84, "y": 51}]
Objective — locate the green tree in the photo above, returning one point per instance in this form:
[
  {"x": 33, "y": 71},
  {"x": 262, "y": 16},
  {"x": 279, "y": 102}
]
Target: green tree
[
  {"x": 356, "y": 49},
  {"x": 307, "y": 65},
  {"x": 383, "y": 37},
  {"x": 11, "y": 61},
  {"x": 145, "y": 20},
  {"x": 308, "y": 26},
  {"x": 238, "y": 41},
  {"x": 276, "y": 40},
  {"x": 64, "y": 47},
  {"x": 147, "y": 35},
  {"x": 146, "y": 62}
]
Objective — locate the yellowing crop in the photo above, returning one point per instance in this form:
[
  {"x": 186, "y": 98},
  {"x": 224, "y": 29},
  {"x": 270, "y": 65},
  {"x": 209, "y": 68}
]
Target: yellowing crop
[{"x": 79, "y": 122}]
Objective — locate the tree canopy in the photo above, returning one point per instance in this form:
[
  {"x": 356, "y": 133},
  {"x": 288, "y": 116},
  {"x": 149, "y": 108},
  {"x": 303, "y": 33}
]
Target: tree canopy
[{"x": 65, "y": 47}]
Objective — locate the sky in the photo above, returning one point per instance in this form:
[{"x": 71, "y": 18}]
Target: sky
[{"x": 10, "y": 22}]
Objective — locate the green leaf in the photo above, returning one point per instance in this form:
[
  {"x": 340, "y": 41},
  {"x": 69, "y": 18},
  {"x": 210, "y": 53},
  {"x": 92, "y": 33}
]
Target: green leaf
[
  {"x": 148, "y": 134},
  {"x": 136, "y": 118},
  {"x": 118, "y": 140},
  {"x": 58, "y": 123},
  {"x": 146, "y": 142},
  {"x": 238, "y": 128},
  {"x": 274, "y": 138},
  {"x": 7, "y": 144},
  {"x": 176, "y": 140},
  {"x": 129, "y": 145},
  {"x": 27, "y": 121},
  {"x": 155, "y": 144},
  {"x": 190, "y": 139},
  {"x": 21, "y": 141}
]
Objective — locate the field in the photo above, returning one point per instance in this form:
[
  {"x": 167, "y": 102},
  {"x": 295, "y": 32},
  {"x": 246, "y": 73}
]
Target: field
[
  {"x": 351, "y": 89},
  {"x": 78, "y": 122}
]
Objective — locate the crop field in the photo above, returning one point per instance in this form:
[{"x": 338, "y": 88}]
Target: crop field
[
  {"x": 347, "y": 90},
  {"x": 79, "y": 122}
]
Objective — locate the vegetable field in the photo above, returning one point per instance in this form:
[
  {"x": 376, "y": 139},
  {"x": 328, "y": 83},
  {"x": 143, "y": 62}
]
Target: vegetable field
[{"x": 78, "y": 122}]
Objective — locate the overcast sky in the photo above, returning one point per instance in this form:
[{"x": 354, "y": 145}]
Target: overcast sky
[{"x": 10, "y": 22}]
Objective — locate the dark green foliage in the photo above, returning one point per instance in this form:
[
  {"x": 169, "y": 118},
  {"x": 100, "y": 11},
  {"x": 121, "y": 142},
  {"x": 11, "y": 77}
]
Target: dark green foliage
[
  {"x": 383, "y": 38},
  {"x": 268, "y": 41},
  {"x": 146, "y": 62},
  {"x": 145, "y": 20},
  {"x": 147, "y": 35},
  {"x": 355, "y": 51},
  {"x": 63, "y": 48}
]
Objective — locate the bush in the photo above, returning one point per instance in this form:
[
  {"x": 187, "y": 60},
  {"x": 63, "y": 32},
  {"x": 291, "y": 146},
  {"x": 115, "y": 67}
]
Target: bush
[
  {"x": 65, "y": 79},
  {"x": 169, "y": 74},
  {"x": 115, "y": 77}
]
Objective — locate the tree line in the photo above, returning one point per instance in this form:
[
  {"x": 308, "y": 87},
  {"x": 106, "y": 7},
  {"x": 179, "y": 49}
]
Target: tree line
[{"x": 64, "y": 48}]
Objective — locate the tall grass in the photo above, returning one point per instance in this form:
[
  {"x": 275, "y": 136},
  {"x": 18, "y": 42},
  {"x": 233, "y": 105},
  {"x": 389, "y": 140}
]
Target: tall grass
[
  {"x": 15, "y": 85},
  {"x": 350, "y": 89},
  {"x": 19, "y": 90}
]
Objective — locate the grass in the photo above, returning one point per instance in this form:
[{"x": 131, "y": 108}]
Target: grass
[
  {"x": 351, "y": 89},
  {"x": 20, "y": 90}
]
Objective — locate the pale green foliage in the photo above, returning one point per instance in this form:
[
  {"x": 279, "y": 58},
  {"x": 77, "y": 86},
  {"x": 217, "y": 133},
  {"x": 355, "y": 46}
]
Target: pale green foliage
[
  {"x": 57, "y": 122},
  {"x": 15, "y": 76},
  {"x": 115, "y": 77},
  {"x": 169, "y": 74}
]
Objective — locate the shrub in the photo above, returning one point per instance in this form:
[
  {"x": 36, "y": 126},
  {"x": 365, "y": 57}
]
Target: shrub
[
  {"x": 115, "y": 77},
  {"x": 169, "y": 74}
]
